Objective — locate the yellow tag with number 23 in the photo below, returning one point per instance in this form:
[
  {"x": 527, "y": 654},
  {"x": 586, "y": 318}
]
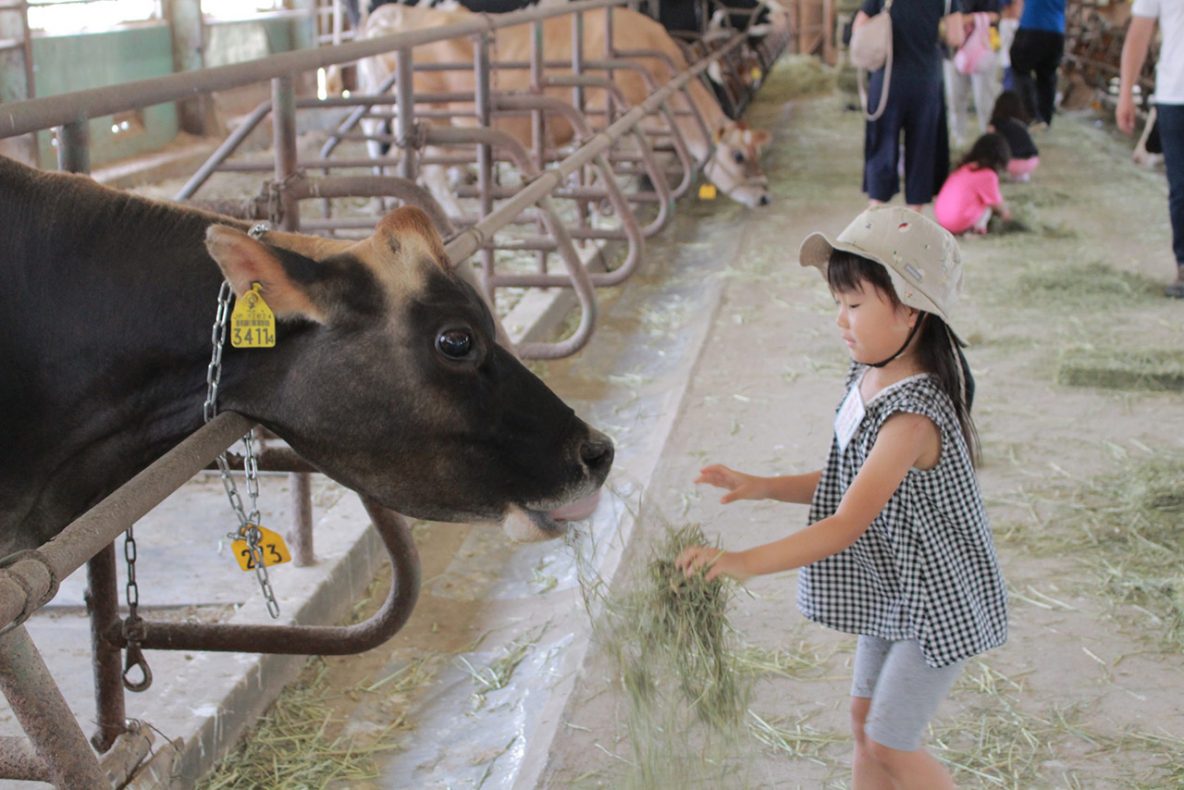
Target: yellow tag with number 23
[
  {"x": 272, "y": 544},
  {"x": 252, "y": 324}
]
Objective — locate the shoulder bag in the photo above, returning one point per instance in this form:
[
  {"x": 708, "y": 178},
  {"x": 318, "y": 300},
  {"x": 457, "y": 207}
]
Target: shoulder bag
[{"x": 871, "y": 50}]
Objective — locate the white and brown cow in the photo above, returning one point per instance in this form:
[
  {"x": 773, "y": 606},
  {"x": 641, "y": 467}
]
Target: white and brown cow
[
  {"x": 385, "y": 373},
  {"x": 730, "y": 160}
]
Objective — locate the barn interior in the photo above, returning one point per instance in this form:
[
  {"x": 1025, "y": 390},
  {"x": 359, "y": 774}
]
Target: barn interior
[{"x": 660, "y": 298}]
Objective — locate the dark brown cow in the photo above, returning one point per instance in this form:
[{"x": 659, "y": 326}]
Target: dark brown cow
[{"x": 385, "y": 373}]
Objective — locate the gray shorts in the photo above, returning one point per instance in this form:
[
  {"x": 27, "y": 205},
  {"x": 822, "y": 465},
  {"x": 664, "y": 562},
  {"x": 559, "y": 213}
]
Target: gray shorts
[{"x": 904, "y": 690}]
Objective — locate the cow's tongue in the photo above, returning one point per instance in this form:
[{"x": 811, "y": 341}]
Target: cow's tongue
[{"x": 578, "y": 510}]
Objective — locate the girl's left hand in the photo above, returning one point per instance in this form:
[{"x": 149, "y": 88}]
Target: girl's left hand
[{"x": 717, "y": 561}]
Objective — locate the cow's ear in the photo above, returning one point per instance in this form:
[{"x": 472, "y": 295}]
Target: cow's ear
[
  {"x": 409, "y": 226},
  {"x": 760, "y": 138},
  {"x": 245, "y": 261}
]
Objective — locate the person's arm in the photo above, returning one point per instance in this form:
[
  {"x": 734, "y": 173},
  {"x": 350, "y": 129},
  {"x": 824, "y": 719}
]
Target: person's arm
[
  {"x": 798, "y": 489},
  {"x": 1134, "y": 54},
  {"x": 994, "y": 198},
  {"x": 904, "y": 439},
  {"x": 953, "y": 32}
]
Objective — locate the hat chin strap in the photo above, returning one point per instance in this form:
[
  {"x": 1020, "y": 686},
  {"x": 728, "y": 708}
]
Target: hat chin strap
[{"x": 907, "y": 341}]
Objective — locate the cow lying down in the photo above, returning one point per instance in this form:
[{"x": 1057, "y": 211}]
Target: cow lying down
[
  {"x": 385, "y": 374},
  {"x": 730, "y": 160}
]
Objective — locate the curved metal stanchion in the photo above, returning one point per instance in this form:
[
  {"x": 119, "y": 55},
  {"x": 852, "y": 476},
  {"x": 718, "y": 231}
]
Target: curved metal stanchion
[{"x": 309, "y": 639}]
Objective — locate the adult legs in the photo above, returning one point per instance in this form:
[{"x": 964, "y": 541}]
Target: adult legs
[
  {"x": 985, "y": 85},
  {"x": 1052, "y": 50},
  {"x": 1171, "y": 132},
  {"x": 957, "y": 94},
  {"x": 1025, "y": 52},
  {"x": 881, "y": 143},
  {"x": 922, "y": 126}
]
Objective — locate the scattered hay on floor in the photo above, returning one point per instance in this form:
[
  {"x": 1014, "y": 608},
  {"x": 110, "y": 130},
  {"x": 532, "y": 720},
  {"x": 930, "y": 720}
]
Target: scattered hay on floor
[
  {"x": 292, "y": 745},
  {"x": 1095, "y": 285},
  {"x": 795, "y": 76},
  {"x": 1126, "y": 527},
  {"x": 1157, "y": 370}
]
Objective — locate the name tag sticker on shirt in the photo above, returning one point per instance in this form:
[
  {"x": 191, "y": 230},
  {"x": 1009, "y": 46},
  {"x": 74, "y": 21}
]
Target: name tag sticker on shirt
[{"x": 849, "y": 416}]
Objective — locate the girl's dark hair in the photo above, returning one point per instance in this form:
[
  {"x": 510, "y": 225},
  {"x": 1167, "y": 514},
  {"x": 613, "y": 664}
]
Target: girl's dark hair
[
  {"x": 1009, "y": 105},
  {"x": 939, "y": 350},
  {"x": 989, "y": 151}
]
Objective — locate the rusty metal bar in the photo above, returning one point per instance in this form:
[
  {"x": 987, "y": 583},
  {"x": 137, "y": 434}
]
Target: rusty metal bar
[
  {"x": 37, "y": 114},
  {"x": 484, "y": 108},
  {"x": 310, "y": 640},
  {"x": 19, "y": 760},
  {"x": 224, "y": 151},
  {"x": 44, "y": 715},
  {"x": 74, "y": 147},
  {"x": 90, "y": 532},
  {"x": 302, "y": 545},
  {"x": 283, "y": 124},
  {"x": 102, "y": 601},
  {"x": 405, "y": 122}
]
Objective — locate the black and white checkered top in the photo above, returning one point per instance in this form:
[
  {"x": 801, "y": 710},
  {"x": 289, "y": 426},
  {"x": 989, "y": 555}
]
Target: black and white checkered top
[{"x": 926, "y": 568}]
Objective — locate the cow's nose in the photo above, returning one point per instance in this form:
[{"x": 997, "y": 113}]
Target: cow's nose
[
  {"x": 764, "y": 201},
  {"x": 596, "y": 452}
]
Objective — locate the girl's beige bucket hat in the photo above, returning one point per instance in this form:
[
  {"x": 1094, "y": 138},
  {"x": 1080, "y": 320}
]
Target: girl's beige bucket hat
[{"x": 921, "y": 257}]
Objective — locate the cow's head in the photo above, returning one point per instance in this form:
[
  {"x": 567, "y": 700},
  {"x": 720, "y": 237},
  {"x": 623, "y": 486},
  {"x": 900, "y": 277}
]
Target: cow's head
[
  {"x": 734, "y": 166},
  {"x": 386, "y": 376}
]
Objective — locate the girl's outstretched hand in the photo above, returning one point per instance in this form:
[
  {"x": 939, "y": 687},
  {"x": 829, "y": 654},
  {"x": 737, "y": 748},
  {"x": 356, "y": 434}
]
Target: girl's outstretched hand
[
  {"x": 717, "y": 561},
  {"x": 739, "y": 484}
]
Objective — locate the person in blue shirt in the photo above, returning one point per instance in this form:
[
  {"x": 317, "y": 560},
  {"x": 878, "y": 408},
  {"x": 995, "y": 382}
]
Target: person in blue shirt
[{"x": 1036, "y": 55}]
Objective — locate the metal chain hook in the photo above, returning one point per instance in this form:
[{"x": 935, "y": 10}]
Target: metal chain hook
[{"x": 133, "y": 626}]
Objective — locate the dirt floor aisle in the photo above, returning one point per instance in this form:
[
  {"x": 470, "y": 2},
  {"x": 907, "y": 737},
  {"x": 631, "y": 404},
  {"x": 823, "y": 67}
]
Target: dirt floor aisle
[{"x": 1079, "y": 368}]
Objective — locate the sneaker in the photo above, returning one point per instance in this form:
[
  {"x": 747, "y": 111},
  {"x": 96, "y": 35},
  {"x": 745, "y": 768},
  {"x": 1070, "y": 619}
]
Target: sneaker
[{"x": 1176, "y": 290}]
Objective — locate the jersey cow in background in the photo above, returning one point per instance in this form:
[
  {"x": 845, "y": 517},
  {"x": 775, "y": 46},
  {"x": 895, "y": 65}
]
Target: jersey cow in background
[
  {"x": 732, "y": 164},
  {"x": 385, "y": 373}
]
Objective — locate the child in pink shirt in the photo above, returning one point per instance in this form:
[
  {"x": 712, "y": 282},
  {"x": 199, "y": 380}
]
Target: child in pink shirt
[{"x": 971, "y": 193}]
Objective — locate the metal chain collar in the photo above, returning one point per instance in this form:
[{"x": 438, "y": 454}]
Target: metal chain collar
[{"x": 248, "y": 522}]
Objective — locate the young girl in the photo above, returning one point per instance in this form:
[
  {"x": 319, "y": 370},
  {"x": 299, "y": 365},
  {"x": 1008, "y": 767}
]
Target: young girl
[
  {"x": 1010, "y": 119},
  {"x": 971, "y": 193},
  {"x": 898, "y": 549}
]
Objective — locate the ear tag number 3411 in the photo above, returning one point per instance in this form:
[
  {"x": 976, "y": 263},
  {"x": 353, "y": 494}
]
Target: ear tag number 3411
[
  {"x": 272, "y": 544},
  {"x": 252, "y": 324}
]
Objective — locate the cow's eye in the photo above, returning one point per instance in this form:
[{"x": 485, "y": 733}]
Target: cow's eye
[
  {"x": 455, "y": 343},
  {"x": 738, "y": 157}
]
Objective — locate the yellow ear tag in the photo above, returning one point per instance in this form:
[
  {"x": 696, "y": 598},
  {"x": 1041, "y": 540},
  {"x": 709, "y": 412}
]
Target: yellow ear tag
[
  {"x": 252, "y": 324},
  {"x": 275, "y": 550},
  {"x": 707, "y": 192},
  {"x": 756, "y": 74}
]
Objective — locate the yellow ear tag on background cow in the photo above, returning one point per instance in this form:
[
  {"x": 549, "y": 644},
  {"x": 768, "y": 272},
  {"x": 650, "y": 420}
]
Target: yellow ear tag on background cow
[
  {"x": 756, "y": 74},
  {"x": 707, "y": 192},
  {"x": 275, "y": 550},
  {"x": 252, "y": 324}
]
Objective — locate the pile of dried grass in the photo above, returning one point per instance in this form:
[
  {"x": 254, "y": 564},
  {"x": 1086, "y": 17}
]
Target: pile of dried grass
[{"x": 1122, "y": 368}]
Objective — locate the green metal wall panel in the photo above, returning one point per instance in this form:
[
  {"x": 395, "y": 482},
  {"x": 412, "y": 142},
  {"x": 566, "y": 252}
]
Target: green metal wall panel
[{"x": 92, "y": 60}]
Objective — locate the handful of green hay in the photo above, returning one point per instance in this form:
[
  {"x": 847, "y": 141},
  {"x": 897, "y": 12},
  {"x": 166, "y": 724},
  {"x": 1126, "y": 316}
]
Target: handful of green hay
[{"x": 671, "y": 632}]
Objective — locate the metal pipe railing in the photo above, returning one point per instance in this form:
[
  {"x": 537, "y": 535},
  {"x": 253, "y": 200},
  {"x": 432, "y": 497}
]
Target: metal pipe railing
[{"x": 37, "y": 114}]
